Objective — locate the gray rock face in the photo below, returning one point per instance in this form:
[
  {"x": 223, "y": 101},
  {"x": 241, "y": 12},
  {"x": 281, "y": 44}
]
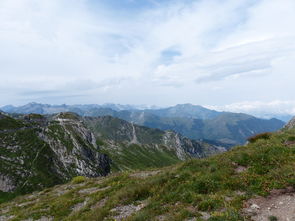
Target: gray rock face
[
  {"x": 118, "y": 130},
  {"x": 40, "y": 152},
  {"x": 6, "y": 184},
  {"x": 80, "y": 155},
  {"x": 291, "y": 124}
]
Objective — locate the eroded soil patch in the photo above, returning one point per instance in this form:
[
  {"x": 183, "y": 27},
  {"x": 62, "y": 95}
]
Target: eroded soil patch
[{"x": 280, "y": 204}]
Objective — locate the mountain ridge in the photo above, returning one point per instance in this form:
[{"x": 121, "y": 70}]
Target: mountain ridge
[{"x": 193, "y": 121}]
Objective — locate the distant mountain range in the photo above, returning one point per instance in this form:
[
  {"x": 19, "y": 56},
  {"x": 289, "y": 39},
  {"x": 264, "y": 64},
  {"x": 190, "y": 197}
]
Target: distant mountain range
[{"x": 192, "y": 121}]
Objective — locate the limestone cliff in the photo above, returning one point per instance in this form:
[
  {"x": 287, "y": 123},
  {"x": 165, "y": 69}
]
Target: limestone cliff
[{"x": 36, "y": 152}]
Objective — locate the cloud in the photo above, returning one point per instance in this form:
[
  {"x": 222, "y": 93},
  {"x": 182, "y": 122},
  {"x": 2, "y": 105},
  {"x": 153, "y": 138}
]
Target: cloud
[
  {"x": 260, "y": 109},
  {"x": 176, "y": 50}
]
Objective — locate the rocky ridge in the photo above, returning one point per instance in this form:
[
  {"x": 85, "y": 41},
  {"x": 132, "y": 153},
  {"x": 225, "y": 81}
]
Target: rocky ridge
[
  {"x": 290, "y": 124},
  {"x": 37, "y": 152},
  {"x": 118, "y": 133}
]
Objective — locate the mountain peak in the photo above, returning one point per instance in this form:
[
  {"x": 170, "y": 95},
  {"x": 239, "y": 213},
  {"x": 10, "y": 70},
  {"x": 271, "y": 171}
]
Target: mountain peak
[{"x": 67, "y": 115}]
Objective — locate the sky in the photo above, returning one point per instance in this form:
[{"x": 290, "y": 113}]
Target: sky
[{"x": 226, "y": 54}]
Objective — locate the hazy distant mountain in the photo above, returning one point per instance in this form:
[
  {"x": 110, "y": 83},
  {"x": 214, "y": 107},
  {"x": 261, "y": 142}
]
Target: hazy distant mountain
[
  {"x": 186, "y": 111},
  {"x": 193, "y": 121},
  {"x": 283, "y": 117},
  {"x": 227, "y": 128},
  {"x": 81, "y": 109}
]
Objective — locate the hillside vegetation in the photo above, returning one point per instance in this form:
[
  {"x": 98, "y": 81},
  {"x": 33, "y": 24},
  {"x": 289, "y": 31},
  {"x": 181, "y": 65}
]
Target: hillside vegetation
[
  {"x": 214, "y": 188},
  {"x": 136, "y": 147}
]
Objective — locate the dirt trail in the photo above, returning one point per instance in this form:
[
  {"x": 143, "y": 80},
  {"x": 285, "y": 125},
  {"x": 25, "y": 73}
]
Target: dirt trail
[{"x": 279, "y": 205}]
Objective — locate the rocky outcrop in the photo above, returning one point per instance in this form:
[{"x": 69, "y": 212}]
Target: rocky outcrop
[
  {"x": 290, "y": 124},
  {"x": 121, "y": 131},
  {"x": 42, "y": 152},
  {"x": 6, "y": 184}
]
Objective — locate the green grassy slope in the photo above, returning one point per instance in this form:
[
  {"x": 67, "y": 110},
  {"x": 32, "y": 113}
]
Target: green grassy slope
[
  {"x": 114, "y": 138},
  {"x": 139, "y": 157},
  {"x": 179, "y": 192},
  {"x": 137, "y": 147}
]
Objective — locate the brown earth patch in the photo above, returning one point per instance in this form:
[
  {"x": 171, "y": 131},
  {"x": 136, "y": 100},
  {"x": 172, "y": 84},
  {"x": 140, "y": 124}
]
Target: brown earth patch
[{"x": 280, "y": 204}]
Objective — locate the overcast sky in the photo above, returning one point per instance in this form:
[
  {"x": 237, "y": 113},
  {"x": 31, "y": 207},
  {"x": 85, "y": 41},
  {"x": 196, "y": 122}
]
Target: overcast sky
[{"x": 221, "y": 53}]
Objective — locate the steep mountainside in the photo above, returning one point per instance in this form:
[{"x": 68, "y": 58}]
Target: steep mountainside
[
  {"x": 134, "y": 147},
  {"x": 228, "y": 129},
  {"x": 37, "y": 153},
  {"x": 252, "y": 182}
]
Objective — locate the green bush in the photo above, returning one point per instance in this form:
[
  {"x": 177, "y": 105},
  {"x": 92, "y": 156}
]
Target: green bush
[
  {"x": 99, "y": 142},
  {"x": 208, "y": 205},
  {"x": 205, "y": 185},
  {"x": 78, "y": 179},
  {"x": 272, "y": 218},
  {"x": 291, "y": 138}
]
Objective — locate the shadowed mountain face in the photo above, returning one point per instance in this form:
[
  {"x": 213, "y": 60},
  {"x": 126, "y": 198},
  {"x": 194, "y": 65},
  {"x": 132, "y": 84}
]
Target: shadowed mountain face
[
  {"x": 40, "y": 151},
  {"x": 192, "y": 121}
]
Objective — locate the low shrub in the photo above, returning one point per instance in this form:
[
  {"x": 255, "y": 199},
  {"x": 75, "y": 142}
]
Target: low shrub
[
  {"x": 78, "y": 179},
  {"x": 208, "y": 205},
  {"x": 291, "y": 138},
  {"x": 262, "y": 136},
  {"x": 272, "y": 218}
]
